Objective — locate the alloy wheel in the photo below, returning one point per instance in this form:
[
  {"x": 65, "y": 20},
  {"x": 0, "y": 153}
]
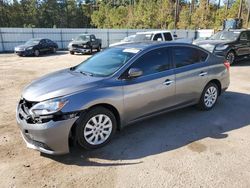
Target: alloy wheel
[
  {"x": 98, "y": 129},
  {"x": 210, "y": 96},
  {"x": 230, "y": 57}
]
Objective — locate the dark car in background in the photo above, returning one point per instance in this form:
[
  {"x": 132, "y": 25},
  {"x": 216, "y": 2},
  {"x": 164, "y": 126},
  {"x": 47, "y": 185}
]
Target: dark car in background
[
  {"x": 85, "y": 43},
  {"x": 232, "y": 44},
  {"x": 36, "y": 46}
]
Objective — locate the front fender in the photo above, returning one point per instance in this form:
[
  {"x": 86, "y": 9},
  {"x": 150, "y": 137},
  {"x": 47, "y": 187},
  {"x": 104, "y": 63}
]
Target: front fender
[{"x": 84, "y": 100}]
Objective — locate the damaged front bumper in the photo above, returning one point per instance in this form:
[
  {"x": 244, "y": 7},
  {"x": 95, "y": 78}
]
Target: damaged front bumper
[{"x": 49, "y": 137}]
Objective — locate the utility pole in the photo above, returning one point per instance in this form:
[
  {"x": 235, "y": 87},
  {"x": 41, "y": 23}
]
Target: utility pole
[
  {"x": 218, "y": 4},
  {"x": 248, "y": 15},
  {"x": 227, "y": 5},
  {"x": 176, "y": 13},
  {"x": 240, "y": 9}
]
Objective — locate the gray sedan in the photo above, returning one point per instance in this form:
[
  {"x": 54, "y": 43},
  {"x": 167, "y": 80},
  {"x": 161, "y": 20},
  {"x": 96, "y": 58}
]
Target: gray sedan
[{"x": 88, "y": 103}]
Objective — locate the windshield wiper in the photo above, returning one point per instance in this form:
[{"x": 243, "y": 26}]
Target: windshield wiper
[{"x": 86, "y": 73}]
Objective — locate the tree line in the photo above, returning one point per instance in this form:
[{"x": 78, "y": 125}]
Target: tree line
[{"x": 134, "y": 14}]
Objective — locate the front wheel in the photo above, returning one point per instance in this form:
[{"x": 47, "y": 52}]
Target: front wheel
[
  {"x": 53, "y": 50},
  {"x": 209, "y": 97},
  {"x": 36, "y": 53},
  {"x": 230, "y": 57},
  {"x": 99, "y": 48},
  {"x": 95, "y": 128},
  {"x": 72, "y": 53}
]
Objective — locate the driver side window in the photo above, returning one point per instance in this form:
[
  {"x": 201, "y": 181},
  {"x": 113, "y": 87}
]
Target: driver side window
[
  {"x": 243, "y": 36},
  {"x": 153, "y": 61},
  {"x": 158, "y": 37}
]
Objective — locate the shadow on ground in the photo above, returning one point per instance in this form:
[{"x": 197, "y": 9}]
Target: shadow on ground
[
  {"x": 242, "y": 63},
  {"x": 167, "y": 132}
]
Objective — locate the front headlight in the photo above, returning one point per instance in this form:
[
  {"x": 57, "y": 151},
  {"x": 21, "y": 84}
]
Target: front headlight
[
  {"x": 48, "y": 107},
  {"x": 70, "y": 45},
  {"x": 221, "y": 47},
  {"x": 29, "y": 48}
]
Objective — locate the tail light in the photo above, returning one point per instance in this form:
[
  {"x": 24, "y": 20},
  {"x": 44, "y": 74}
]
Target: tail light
[{"x": 227, "y": 64}]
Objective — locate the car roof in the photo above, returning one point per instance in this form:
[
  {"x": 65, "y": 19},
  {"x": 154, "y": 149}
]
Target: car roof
[
  {"x": 150, "y": 44},
  {"x": 153, "y": 32}
]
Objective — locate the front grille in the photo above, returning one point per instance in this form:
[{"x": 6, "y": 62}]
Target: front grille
[{"x": 79, "y": 45}]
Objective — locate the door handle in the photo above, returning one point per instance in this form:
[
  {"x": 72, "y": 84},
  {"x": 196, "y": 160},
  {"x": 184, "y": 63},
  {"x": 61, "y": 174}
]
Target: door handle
[
  {"x": 203, "y": 74},
  {"x": 168, "y": 82}
]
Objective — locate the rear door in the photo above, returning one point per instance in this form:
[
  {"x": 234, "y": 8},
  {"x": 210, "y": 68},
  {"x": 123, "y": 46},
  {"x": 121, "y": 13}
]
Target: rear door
[
  {"x": 191, "y": 70},
  {"x": 154, "y": 90}
]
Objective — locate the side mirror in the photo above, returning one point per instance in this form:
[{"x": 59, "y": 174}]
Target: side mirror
[
  {"x": 174, "y": 35},
  {"x": 134, "y": 72},
  {"x": 92, "y": 40}
]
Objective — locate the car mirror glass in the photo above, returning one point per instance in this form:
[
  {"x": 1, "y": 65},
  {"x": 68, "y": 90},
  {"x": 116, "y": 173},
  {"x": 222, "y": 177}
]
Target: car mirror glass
[{"x": 134, "y": 72}]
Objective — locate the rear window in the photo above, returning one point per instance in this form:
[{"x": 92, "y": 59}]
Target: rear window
[
  {"x": 184, "y": 56},
  {"x": 167, "y": 36}
]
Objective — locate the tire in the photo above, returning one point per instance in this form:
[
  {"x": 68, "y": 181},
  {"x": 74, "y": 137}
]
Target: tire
[
  {"x": 90, "y": 130},
  {"x": 72, "y": 53},
  {"x": 209, "y": 97},
  {"x": 36, "y": 53},
  {"x": 91, "y": 50},
  {"x": 99, "y": 48},
  {"x": 230, "y": 57},
  {"x": 53, "y": 50}
]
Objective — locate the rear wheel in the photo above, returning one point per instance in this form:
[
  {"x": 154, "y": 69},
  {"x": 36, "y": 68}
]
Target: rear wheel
[
  {"x": 72, "y": 53},
  {"x": 209, "y": 97},
  {"x": 230, "y": 57},
  {"x": 96, "y": 128}
]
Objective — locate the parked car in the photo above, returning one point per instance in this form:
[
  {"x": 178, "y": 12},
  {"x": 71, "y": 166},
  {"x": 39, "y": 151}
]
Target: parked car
[
  {"x": 116, "y": 87},
  {"x": 85, "y": 43},
  {"x": 232, "y": 44},
  {"x": 127, "y": 39},
  {"x": 36, "y": 46},
  {"x": 161, "y": 35}
]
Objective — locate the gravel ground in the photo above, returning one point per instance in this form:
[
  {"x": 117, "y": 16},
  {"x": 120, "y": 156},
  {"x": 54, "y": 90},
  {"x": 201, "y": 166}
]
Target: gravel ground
[{"x": 185, "y": 148}]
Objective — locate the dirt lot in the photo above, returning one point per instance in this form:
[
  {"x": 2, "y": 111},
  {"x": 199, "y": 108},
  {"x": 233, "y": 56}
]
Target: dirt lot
[{"x": 185, "y": 148}]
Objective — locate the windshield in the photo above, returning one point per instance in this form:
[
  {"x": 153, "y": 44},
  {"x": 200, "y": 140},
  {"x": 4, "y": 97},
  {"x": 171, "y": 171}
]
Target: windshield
[
  {"x": 226, "y": 35},
  {"x": 142, "y": 37},
  {"x": 82, "y": 38},
  {"x": 32, "y": 41},
  {"x": 106, "y": 62}
]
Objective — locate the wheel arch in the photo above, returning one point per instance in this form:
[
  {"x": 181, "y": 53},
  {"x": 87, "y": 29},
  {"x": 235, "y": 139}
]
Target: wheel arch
[
  {"x": 110, "y": 107},
  {"x": 217, "y": 82}
]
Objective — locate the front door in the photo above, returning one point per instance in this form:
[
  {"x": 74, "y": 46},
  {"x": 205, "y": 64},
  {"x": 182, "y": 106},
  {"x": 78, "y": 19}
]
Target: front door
[{"x": 154, "y": 90}]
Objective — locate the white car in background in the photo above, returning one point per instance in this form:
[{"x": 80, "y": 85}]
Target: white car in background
[
  {"x": 127, "y": 39},
  {"x": 161, "y": 35}
]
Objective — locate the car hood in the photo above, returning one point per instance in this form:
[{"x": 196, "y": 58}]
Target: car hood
[
  {"x": 211, "y": 42},
  {"x": 79, "y": 42},
  {"x": 24, "y": 46},
  {"x": 59, "y": 84}
]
